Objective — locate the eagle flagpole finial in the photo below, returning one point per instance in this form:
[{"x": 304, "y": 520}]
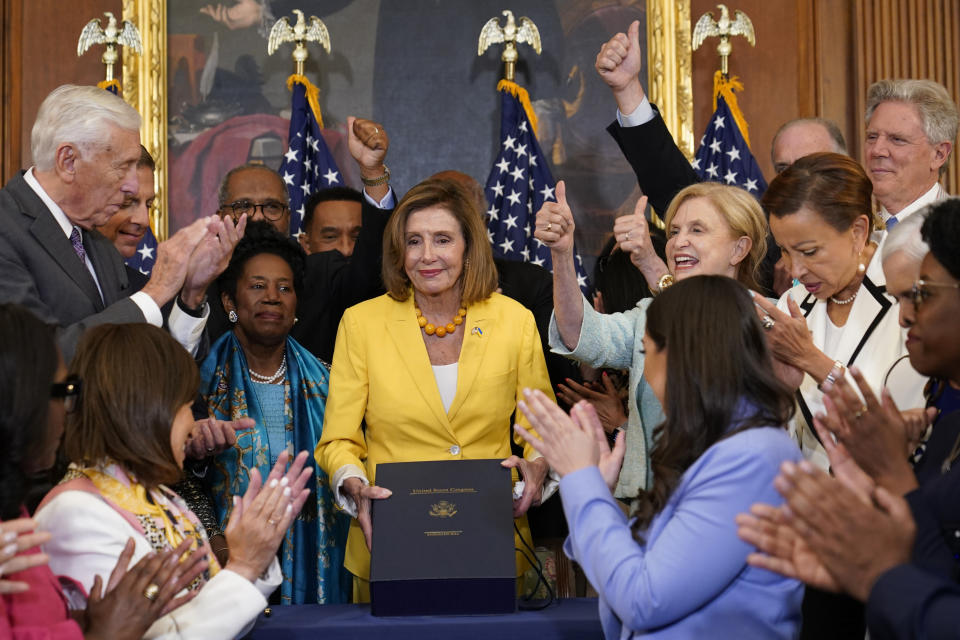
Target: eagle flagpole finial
[
  {"x": 300, "y": 33},
  {"x": 522, "y": 31},
  {"x": 724, "y": 28},
  {"x": 126, "y": 35}
]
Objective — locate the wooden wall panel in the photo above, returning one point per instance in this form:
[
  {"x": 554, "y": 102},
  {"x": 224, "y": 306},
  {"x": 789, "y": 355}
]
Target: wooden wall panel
[
  {"x": 907, "y": 39},
  {"x": 10, "y": 44},
  {"x": 41, "y": 38}
]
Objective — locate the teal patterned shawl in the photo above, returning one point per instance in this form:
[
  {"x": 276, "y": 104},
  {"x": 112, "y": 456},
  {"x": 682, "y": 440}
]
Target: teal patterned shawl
[{"x": 311, "y": 556}]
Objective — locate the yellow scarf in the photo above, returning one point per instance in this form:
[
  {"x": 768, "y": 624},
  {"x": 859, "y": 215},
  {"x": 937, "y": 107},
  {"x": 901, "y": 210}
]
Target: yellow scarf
[{"x": 167, "y": 510}]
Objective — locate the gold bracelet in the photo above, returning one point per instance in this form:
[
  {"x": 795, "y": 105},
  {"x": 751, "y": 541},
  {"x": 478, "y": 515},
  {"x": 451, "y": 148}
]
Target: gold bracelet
[{"x": 376, "y": 182}]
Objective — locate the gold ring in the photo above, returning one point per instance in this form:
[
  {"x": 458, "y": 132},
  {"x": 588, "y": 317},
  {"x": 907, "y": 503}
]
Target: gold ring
[
  {"x": 627, "y": 236},
  {"x": 859, "y": 413},
  {"x": 272, "y": 522},
  {"x": 549, "y": 226},
  {"x": 151, "y": 592}
]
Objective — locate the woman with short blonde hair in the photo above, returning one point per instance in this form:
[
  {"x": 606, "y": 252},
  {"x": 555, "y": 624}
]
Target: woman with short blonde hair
[
  {"x": 480, "y": 274},
  {"x": 743, "y": 215},
  {"x": 712, "y": 229}
]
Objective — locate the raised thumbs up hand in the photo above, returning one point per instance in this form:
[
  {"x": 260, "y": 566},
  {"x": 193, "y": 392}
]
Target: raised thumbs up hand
[
  {"x": 633, "y": 235},
  {"x": 618, "y": 64},
  {"x": 555, "y": 226}
]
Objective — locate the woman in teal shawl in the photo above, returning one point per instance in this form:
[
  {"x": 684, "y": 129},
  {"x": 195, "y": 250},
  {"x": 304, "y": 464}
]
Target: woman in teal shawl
[{"x": 257, "y": 370}]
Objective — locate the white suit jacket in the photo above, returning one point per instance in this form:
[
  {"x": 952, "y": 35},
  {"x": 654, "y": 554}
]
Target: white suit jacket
[
  {"x": 88, "y": 536},
  {"x": 871, "y": 339}
]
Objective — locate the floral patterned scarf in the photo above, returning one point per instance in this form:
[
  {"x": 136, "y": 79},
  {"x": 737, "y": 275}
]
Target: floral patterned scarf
[{"x": 311, "y": 557}]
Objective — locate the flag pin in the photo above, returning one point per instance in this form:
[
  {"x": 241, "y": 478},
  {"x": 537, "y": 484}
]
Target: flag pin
[{"x": 477, "y": 331}]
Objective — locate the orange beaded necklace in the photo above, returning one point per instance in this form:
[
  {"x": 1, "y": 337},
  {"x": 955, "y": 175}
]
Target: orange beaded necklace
[{"x": 442, "y": 330}]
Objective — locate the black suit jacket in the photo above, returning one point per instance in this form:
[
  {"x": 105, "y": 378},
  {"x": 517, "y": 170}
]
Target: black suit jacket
[
  {"x": 935, "y": 506},
  {"x": 41, "y": 271},
  {"x": 662, "y": 169},
  {"x": 907, "y": 602},
  {"x": 335, "y": 283},
  {"x": 922, "y": 599}
]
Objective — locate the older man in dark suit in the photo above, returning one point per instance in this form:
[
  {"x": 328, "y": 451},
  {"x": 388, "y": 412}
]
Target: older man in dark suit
[{"x": 85, "y": 144}]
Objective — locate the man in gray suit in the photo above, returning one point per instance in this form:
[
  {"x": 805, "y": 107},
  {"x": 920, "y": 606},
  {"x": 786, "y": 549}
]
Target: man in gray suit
[{"x": 85, "y": 144}]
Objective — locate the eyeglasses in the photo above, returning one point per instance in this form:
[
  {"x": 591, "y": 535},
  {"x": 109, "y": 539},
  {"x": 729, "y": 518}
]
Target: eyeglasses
[
  {"x": 69, "y": 391},
  {"x": 272, "y": 210},
  {"x": 920, "y": 290}
]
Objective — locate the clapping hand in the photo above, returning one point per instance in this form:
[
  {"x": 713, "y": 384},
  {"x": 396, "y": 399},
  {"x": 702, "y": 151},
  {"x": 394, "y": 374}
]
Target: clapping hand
[
  {"x": 874, "y": 432},
  {"x": 134, "y": 598},
  {"x": 854, "y": 539},
  {"x": 602, "y": 395},
  {"x": 173, "y": 259},
  {"x": 261, "y": 517},
  {"x": 570, "y": 443},
  {"x": 17, "y": 536},
  {"x": 211, "y": 256},
  {"x": 781, "y": 550}
]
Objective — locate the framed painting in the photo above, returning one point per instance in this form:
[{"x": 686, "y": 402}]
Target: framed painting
[{"x": 211, "y": 97}]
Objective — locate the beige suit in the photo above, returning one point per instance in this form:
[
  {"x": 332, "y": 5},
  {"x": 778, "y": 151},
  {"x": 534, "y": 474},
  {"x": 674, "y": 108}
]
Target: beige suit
[{"x": 381, "y": 372}]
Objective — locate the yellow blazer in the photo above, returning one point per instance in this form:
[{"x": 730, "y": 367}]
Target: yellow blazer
[{"x": 381, "y": 372}]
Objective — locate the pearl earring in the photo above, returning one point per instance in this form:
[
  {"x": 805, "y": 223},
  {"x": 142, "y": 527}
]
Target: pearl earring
[{"x": 232, "y": 316}]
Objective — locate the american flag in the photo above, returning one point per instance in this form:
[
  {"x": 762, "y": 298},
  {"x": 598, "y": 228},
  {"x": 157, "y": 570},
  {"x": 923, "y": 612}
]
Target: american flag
[
  {"x": 308, "y": 165},
  {"x": 724, "y": 155},
  {"x": 519, "y": 183},
  {"x": 145, "y": 255}
]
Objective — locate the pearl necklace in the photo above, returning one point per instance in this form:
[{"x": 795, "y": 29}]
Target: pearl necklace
[
  {"x": 847, "y": 301},
  {"x": 861, "y": 269},
  {"x": 275, "y": 378},
  {"x": 442, "y": 330}
]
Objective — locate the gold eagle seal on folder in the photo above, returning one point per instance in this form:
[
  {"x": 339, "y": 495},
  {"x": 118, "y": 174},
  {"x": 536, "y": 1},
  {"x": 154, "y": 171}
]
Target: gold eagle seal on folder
[{"x": 443, "y": 509}]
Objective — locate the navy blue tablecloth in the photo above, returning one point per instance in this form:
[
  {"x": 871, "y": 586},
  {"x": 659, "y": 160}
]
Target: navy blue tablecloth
[{"x": 574, "y": 618}]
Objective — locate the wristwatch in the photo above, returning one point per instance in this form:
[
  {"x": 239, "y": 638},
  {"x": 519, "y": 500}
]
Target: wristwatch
[
  {"x": 836, "y": 371},
  {"x": 376, "y": 182}
]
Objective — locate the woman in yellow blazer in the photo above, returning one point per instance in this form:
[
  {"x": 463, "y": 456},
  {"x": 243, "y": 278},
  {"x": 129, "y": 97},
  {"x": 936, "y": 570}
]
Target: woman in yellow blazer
[{"x": 435, "y": 366}]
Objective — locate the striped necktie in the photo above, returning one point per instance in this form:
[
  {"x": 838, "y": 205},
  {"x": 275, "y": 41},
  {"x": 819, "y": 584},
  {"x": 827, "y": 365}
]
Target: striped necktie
[{"x": 77, "y": 243}]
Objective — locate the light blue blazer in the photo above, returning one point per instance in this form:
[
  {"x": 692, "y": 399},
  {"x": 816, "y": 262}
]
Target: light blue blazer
[
  {"x": 614, "y": 341},
  {"x": 690, "y": 577}
]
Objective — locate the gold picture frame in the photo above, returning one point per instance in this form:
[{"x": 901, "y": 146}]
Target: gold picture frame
[{"x": 145, "y": 81}]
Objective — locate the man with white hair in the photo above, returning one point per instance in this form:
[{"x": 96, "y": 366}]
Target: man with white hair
[
  {"x": 911, "y": 129},
  {"x": 85, "y": 144}
]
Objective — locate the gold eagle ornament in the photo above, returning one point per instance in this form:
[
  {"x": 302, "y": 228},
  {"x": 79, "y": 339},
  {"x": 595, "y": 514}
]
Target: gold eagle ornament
[
  {"x": 126, "y": 35},
  {"x": 300, "y": 33},
  {"x": 510, "y": 34},
  {"x": 724, "y": 28}
]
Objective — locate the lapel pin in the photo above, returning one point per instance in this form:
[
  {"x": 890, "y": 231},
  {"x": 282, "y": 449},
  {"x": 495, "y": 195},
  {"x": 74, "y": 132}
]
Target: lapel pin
[{"x": 477, "y": 331}]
